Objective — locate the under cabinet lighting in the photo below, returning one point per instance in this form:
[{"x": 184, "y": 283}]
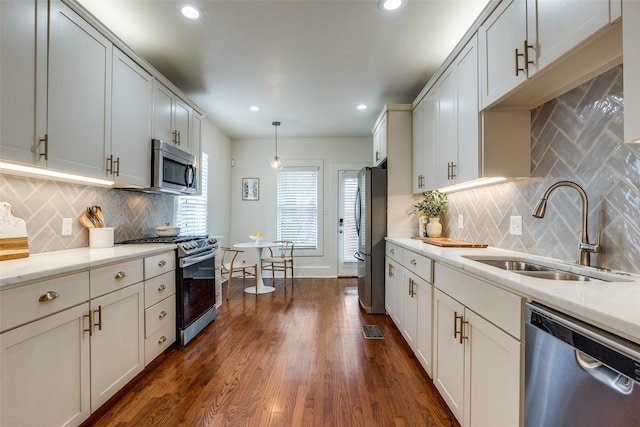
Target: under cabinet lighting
[
  {"x": 471, "y": 184},
  {"x": 35, "y": 172}
]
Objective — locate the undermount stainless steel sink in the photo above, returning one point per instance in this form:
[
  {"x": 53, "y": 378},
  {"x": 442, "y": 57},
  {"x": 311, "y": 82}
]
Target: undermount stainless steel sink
[{"x": 531, "y": 269}]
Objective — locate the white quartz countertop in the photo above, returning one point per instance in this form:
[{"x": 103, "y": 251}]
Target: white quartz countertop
[
  {"x": 42, "y": 265},
  {"x": 613, "y": 306}
]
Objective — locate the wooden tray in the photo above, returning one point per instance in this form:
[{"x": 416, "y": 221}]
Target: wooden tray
[{"x": 445, "y": 242}]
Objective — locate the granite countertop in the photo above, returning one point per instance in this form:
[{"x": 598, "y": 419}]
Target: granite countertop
[
  {"x": 38, "y": 266},
  {"x": 613, "y": 306}
]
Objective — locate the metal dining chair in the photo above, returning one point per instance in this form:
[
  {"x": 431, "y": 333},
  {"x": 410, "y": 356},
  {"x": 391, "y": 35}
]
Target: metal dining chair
[
  {"x": 232, "y": 267},
  {"x": 279, "y": 258}
]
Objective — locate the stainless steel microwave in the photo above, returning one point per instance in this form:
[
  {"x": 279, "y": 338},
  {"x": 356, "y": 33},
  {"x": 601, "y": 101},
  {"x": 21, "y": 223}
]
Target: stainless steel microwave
[{"x": 173, "y": 170}]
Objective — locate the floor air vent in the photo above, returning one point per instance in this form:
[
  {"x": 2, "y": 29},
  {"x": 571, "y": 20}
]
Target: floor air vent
[{"x": 372, "y": 332}]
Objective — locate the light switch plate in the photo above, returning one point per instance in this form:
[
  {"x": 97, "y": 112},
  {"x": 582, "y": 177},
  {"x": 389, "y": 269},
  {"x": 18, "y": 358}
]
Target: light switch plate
[
  {"x": 515, "y": 225},
  {"x": 66, "y": 226},
  {"x": 460, "y": 221}
]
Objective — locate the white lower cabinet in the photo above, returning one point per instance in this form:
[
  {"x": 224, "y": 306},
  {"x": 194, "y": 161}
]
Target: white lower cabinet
[
  {"x": 69, "y": 343},
  {"x": 392, "y": 291},
  {"x": 117, "y": 342},
  {"x": 44, "y": 371},
  {"x": 477, "y": 364}
]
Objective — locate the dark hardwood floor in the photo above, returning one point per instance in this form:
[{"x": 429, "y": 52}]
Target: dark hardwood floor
[{"x": 294, "y": 358}]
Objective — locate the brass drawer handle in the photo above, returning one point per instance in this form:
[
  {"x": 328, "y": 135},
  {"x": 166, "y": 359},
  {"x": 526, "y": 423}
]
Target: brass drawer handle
[
  {"x": 161, "y": 287},
  {"x": 48, "y": 296},
  {"x": 99, "y": 311},
  {"x": 90, "y": 330},
  {"x": 162, "y": 314},
  {"x": 162, "y": 339},
  {"x": 162, "y": 263},
  {"x": 413, "y": 262},
  {"x": 121, "y": 274}
]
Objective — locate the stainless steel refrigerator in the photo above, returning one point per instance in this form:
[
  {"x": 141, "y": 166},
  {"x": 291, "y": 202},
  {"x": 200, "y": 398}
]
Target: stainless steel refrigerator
[{"x": 371, "y": 226}]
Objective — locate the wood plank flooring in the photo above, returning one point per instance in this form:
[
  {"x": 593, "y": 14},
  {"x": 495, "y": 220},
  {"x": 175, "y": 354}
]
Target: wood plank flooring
[{"x": 294, "y": 358}]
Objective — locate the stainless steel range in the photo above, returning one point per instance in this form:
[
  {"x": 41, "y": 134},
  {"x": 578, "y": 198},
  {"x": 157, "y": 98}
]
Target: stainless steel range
[{"x": 195, "y": 282}]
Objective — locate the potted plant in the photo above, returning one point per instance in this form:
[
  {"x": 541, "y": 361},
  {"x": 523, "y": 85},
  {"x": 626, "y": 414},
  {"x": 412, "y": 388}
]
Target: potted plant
[{"x": 433, "y": 204}]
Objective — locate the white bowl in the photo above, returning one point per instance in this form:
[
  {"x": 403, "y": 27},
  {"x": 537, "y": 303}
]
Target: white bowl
[
  {"x": 257, "y": 239},
  {"x": 167, "y": 231}
]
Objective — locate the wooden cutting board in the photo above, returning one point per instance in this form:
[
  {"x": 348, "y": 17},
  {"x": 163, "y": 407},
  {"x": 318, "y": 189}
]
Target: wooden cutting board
[
  {"x": 445, "y": 242},
  {"x": 13, "y": 234}
]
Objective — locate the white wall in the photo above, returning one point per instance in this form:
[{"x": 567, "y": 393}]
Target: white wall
[
  {"x": 218, "y": 146},
  {"x": 252, "y": 158}
]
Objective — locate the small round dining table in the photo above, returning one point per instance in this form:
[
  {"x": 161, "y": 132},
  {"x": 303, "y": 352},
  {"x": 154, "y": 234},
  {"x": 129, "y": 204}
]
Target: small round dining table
[{"x": 258, "y": 246}]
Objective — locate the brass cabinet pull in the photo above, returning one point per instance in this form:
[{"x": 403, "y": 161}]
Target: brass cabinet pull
[
  {"x": 392, "y": 251},
  {"x": 413, "y": 262},
  {"x": 411, "y": 290},
  {"x": 179, "y": 138},
  {"x": 117, "y": 164},
  {"x": 377, "y": 155},
  {"x": 121, "y": 275},
  {"x": 162, "y": 287},
  {"x": 162, "y": 314},
  {"x": 46, "y": 146},
  {"x": 527, "y": 46},
  {"x": 110, "y": 164},
  {"x": 162, "y": 339},
  {"x": 162, "y": 263},
  {"x": 48, "y": 296},
  {"x": 88, "y": 317},
  {"x": 518, "y": 69},
  {"x": 462, "y": 335},
  {"x": 99, "y": 311},
  {"x": 455, "y": 327},
  {"x": 451, "y": 174}
]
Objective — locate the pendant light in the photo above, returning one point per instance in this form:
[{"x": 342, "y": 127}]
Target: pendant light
[{"x": 275, "y": 162}]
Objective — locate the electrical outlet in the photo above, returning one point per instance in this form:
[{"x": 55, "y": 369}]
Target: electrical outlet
[
  {"x": 66, "y": 226},
  {"x": 460, "y": 222},
  {"x": 515, "y": 225}
]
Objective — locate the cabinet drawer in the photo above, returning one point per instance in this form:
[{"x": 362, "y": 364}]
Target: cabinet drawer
[
  {"x": 156, "y": 316},
  {"x": 394, "y": 252},
  {"x": 116, "y": 276},
  {"x": 158, "y": 288},
  {"x": 23, "y": 304},
  {"x": 498, "y": 306},
  {"x": 159, "y": 264},
  {"x": 419, "y": 264},
  {"x": 159, "y": 342}
]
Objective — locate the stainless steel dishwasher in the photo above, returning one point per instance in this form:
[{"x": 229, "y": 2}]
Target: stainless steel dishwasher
[{"x": 577, "y": 374}]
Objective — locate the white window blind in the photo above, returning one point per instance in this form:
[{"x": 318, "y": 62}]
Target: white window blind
[
  {"x": 191, "y": 211},
  {"x": 297, "y": 210}
]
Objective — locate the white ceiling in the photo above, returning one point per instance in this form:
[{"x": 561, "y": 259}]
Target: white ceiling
[{"x": 306, "y": 63}]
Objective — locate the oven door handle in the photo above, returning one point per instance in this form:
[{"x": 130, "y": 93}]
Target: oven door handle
[{"x": 188, "y": 261}]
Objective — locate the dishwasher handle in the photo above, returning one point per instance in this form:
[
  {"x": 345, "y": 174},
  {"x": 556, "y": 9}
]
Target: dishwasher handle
[{"x": 602, "y": 373}]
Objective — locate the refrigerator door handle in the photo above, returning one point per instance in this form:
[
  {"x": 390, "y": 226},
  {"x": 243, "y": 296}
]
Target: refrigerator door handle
[
  {"x": 357, "y": 210},
  {"x": 359, "y": 256}
]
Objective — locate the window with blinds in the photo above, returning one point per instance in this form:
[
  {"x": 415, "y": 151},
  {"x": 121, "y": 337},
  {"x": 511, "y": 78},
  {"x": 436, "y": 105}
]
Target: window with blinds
[
  {"x": 191, "y": 211},
  {"x": 297, "y": 206}
]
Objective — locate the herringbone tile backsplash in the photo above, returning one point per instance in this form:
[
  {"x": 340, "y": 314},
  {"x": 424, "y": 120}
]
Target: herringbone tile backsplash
[
  {"x": 578, "y": 137},
  {"x": 43, "y": 204}
]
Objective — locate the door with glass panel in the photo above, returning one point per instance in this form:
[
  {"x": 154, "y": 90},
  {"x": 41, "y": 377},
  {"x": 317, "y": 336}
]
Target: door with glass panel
[{"x": 347, "y": 236}]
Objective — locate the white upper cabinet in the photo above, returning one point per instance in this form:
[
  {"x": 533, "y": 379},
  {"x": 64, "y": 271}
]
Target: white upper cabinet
[
  {"x": 631, "y": 38},
  {"x": 417, "y": 147},
  {"x": 502, "y": 55},
  {"x": 79, "y": 87},
  {"x": 556, "y": 26},
  {"x": 425, "y": 141},
  {"x": 447, "y": 121},
  {"x": 171, "y": 117},
  {"x": 129, "y": 155},
  {"x": 380, "y": 140},
  {"x": 23, "y": 80}
]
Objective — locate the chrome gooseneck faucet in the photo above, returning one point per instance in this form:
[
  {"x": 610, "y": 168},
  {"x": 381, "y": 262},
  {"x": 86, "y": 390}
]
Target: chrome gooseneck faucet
[{"x": 584, "y": 247}]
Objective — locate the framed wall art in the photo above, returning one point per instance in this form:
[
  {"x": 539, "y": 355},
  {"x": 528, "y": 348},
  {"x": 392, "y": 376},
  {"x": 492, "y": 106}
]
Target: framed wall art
[{"x": 250, "y": 188}]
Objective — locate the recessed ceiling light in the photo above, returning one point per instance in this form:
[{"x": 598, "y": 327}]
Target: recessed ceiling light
[
  {"x": 390, "y": 4},
  {"x": 361, "y": 107},
  {"x": 190, "y": 12},
  {"x": 254, "y": 108}
]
